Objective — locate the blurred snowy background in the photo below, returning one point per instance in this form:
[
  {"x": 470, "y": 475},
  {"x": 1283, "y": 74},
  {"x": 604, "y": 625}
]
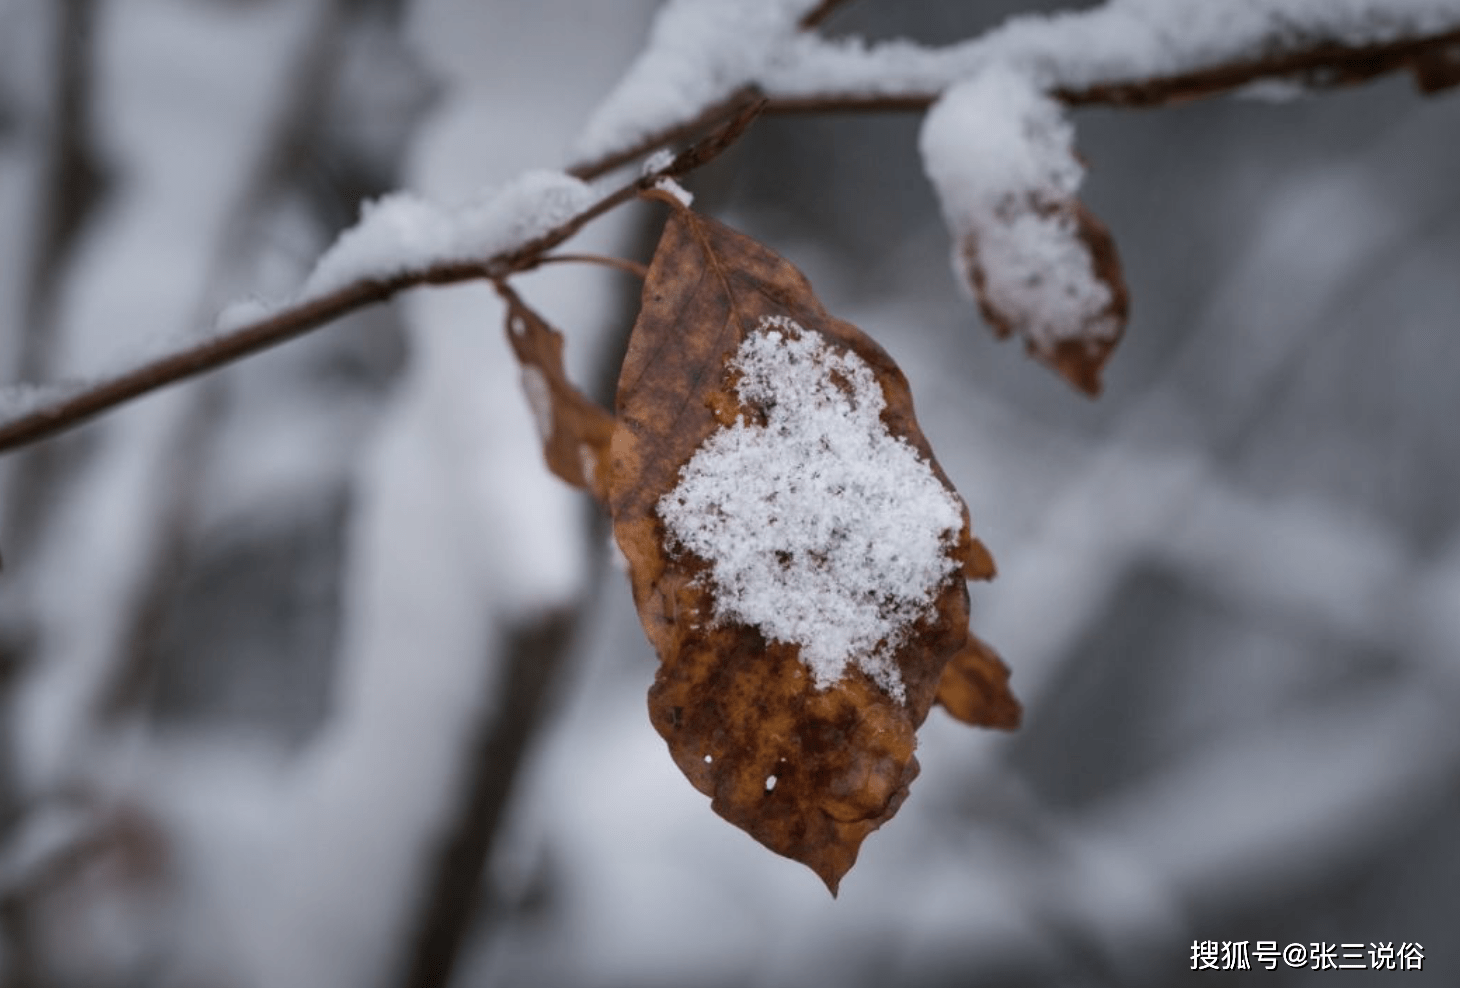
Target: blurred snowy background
[{"x": 282, "y": 650}]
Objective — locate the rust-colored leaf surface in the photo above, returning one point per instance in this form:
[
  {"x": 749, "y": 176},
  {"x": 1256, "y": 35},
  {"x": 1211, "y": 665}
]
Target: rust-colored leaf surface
[
  {"x": 575, "y": 431},
  {"x": 975, "y": 688},
  {"x": 743, "y": 403}
]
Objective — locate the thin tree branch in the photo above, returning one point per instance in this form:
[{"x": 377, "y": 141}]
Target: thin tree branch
[
  {"x": 75, "y": 407},
  {"x": 1325, "y": 65},
  {"x": 1432, "y": 58},
  {"x": 640, "y": 271},
  {"x": 708, "y": 118}
]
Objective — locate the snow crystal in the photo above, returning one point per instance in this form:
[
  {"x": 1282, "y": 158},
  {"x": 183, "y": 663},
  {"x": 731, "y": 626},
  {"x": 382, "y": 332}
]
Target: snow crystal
[
  {"x": 1000, "y": 154},
  {"x": 821, "y": 528},
  {"x": 403, "y": 233}
]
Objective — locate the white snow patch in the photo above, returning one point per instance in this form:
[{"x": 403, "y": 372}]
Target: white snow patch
[
  {"x": 656, "y": 162},
  {"x": 699, "y": 53},
  {"x": 403, "y": 233},
  {"x": 667, "y": 184},
  {"x": 1000, "y": 154},
  {"x": 244, "y": 312},
  {"x": 821, "y": 528}
]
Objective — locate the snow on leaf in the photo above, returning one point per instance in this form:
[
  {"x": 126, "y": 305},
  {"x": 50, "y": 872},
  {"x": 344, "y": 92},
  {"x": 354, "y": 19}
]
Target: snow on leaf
[
  {"x": 999, "y": 152},
  {"x": 574, "y": 430},
  {"x": 766, "y": 457},
  {"x": 822, "y": 529}
]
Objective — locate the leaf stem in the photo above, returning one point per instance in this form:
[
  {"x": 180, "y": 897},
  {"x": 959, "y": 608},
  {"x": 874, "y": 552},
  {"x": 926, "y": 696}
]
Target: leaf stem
[{"x": 640, "y": 271}]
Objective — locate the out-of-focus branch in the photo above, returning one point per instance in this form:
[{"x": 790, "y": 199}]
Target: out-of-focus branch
[
  {"x": 74, "y": 179},
  {"x": 535, "y": 652}
]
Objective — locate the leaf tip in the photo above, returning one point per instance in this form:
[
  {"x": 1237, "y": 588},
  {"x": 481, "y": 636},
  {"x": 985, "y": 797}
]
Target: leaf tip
[{"x": 975, "y": 688}]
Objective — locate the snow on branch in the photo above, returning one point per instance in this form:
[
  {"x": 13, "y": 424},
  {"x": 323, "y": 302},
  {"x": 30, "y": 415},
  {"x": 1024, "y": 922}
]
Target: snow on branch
[
  {"x": 1112, "y": 52},
  {"x": 1126, "y": 53},
  {"x": 404, "y": 234},
  {"x": 716, "y": 63},
  {"x": 996, "y": 145},
  {"x": 401, "y": 242},
  {"x": 700, "y": 53}
]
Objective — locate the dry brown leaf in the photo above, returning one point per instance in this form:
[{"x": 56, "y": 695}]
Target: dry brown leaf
[
  {"x": 806, "y": 763},
  {"x": 1082, "y": 348},
  {"x": 975, "y": 688},
  {"x": 575, "y": 431},
  {"x": 999, "y": 150}
]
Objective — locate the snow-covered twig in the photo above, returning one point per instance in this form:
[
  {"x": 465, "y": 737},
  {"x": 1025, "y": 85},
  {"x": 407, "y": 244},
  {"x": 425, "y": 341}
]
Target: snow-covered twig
[
  {"x": 1433, "y": 58},
  {"x": 43, "y": 412},
  {"x": 1316, "y": 48},
  {"x": 818, "y": 76},
  {"x": 75, "y": 403}
]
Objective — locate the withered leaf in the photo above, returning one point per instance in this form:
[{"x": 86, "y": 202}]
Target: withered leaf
[
  {"x": 1078, "y": 340},
  {"x": 806, "y": 754},
  {"x": 975, "y": 687},
  {"x": 1000, "y": 153},
  {"x": 575, "y": 431}
]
